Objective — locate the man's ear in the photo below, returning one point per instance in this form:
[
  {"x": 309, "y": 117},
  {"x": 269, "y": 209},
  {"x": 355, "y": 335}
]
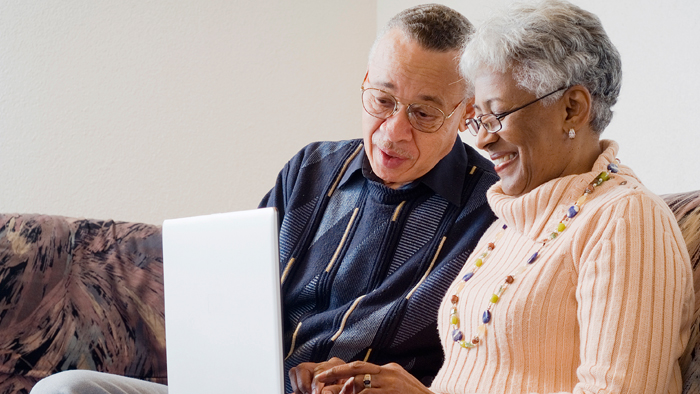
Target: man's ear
[
  {"x": 577, "y": 100},
  {"x": 467, "y": 113}
]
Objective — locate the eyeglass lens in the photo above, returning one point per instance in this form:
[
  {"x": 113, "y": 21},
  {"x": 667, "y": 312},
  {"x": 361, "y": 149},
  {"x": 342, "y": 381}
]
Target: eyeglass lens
[
  {"x": 489, "y": 121},
  {"x": 382, "y": 105}
]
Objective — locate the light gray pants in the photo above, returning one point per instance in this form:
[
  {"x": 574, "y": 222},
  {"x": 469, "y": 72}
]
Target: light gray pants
[{"x": 91, "y": 382}]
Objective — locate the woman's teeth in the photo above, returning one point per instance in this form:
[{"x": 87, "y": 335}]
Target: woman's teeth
[{"x": 504, "y": 159}]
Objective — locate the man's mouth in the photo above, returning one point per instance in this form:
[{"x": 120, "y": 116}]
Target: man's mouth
[
  {"x": 391, "y": 154},
  {"x": 392, "y": 151}
]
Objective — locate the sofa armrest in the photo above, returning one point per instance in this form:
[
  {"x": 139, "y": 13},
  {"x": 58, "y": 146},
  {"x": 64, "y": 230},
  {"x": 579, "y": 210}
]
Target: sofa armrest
[{"x": 686, "y": 208}]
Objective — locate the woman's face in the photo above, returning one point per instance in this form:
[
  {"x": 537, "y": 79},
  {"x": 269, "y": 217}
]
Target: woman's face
[{"x": 533, "y": 146}]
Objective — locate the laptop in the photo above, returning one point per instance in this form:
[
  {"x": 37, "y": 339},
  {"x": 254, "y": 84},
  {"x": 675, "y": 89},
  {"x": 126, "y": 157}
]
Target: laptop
[{"x": 223, "y": 326}]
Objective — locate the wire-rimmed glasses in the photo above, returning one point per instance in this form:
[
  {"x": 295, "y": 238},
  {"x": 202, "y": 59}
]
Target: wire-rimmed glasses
[
  {"x": 492, "y": 122},
  {"x": 423, "y": 117}
]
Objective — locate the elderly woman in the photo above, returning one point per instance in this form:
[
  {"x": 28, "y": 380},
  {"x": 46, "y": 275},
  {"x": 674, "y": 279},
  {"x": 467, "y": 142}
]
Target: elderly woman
[{"x": 583, "y": 285}]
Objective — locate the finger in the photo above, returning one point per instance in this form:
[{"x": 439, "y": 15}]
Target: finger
[
  {"x": 293, "y": 380},
  {"x": 301, "y": 381},
  {"x": 333, "y": 389},
  {"x": 349, "y": 387},
  {"x": 328, "y": 365},
  {"x": 345, "y": 371}
]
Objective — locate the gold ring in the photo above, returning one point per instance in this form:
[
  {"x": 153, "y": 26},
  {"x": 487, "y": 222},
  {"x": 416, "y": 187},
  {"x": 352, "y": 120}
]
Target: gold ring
[{"x": 368, "y": 381}]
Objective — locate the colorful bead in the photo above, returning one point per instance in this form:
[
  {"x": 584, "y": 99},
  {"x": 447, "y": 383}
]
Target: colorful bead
[
  {"x": 454, "y": 299},
  {"x": 486, "y": 317},
  {"x": 475, "y": 340},
  {"x": 454, "y": 319},
  {"x": 494, "y": 299},
  {"x": 573, "y": 210},
  {"x": 460, "y": 286},
  {"x": 457, "y": 335},
  {"x": 581, "y": 200},
  {"x": 561, "y": 227},
  {"x": 467, "y": 276},
  {"x": 612, "y": 167},
  {"x": 509, "y": 279},
  {"x": 604, "y": 176},
  {"x": 491, "y": 246},
  {"x": 589, "y": 189},
  {"x": 479, "y": 262},
  {"x": 520, "y": 270},
  {"x": 532, "y": 258},
  {"x": 466, "y": 345},
  {"x": 553, "y": 235},
  {"x": 482, "y": 330}
]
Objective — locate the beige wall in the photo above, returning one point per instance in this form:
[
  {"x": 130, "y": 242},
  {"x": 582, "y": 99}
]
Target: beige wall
[{"x": 143, "y": 111}]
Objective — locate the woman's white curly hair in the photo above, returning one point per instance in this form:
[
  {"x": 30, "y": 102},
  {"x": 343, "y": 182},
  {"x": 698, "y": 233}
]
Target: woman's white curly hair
[{"x": 546, "y": 46}]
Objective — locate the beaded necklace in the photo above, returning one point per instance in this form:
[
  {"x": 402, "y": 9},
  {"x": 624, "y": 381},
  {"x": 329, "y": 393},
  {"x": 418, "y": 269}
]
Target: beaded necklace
[{"x": 457, "y": 334}]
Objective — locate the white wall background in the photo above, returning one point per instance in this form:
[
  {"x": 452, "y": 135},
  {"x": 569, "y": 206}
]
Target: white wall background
[
  {"x": 147, "y": 110},
  {"x": 143, "y": 111},
  {"x": 654, "y": 120}
]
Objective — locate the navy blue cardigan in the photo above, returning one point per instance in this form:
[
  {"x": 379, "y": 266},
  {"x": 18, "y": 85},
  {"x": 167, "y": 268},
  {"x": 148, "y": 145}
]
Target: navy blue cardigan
[{"x": 364, "y": 267}]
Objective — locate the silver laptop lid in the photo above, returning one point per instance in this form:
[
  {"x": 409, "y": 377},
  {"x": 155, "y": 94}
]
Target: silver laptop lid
[{"x": 222, "y": 303}]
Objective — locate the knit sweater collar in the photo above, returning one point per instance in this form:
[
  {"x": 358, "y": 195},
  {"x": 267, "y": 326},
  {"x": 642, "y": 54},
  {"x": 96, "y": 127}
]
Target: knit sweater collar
[
  {"x": 445, "y": 179},
  {"x": 533, "y": 213}
]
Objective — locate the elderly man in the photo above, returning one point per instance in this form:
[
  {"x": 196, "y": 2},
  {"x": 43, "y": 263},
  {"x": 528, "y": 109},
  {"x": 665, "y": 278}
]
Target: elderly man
[{"x": 374, "y": 230}]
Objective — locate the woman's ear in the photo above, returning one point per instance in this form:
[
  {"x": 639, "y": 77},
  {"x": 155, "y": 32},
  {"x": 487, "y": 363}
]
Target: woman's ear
[
  {"x": 577, "y": 100},
  {"x": 467, "y": 113}
]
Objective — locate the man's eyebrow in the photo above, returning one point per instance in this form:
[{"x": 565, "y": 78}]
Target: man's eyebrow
[
  {"x": 423, "y": 97},
  {"x": 433, "y": 99}
]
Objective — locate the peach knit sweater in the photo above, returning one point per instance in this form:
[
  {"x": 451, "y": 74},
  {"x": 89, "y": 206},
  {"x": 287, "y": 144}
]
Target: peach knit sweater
[{"x": 605, "y": 309}]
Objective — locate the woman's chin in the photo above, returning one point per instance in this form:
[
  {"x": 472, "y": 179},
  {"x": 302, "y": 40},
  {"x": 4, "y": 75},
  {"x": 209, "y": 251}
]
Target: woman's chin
[{"x": 512, "y": 187}]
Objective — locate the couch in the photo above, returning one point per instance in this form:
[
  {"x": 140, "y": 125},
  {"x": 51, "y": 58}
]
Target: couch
[{"x": 88, "y": 294}]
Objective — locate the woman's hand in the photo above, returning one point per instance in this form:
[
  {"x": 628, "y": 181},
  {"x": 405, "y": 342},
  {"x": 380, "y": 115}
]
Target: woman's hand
[
  {"x": 303, "y": 374},
  {"x": 389, "y": 378}
]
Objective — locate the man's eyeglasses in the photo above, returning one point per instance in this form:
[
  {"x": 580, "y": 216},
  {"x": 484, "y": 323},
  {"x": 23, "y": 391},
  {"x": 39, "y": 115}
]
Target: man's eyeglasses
[
  {"x": 492, "y": 122},
  {"x": 423, "y": 117}
]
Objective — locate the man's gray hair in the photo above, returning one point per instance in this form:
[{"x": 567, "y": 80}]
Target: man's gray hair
[
  {"x": 433, "y": 26},
  {"x": 546, "y": 46}
]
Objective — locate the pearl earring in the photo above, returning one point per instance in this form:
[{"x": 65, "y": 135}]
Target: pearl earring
[{"x": 572, "y": 134}]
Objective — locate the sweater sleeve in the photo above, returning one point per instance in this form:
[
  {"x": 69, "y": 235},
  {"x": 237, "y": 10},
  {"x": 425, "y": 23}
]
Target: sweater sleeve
[{"x": 635, "y": 299}]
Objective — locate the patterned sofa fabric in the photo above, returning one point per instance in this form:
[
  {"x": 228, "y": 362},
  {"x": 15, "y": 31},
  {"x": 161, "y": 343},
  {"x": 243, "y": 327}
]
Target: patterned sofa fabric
[
  {"x": 88, "y": 294},
  {"x": 78, "y": 293},
  {"x": 686, "y": 207}
]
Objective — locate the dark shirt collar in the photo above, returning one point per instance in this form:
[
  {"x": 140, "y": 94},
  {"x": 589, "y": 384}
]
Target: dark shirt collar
[{"x": 445, "y": 179}]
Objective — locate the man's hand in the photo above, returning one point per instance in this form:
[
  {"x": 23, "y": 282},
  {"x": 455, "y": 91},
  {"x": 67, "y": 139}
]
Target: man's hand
[
  {"x": 302, "y": 377},
  {"x": 362, "y": 377}
]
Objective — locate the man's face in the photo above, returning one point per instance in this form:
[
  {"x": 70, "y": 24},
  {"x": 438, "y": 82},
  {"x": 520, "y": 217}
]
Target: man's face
[{"x": 397, "y": 152}]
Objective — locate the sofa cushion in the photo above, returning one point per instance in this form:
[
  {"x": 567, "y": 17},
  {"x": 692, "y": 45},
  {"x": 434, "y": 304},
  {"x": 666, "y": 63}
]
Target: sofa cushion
[
  {"x": 686, "y": 207},
  {"x": 77, "y": 293}
]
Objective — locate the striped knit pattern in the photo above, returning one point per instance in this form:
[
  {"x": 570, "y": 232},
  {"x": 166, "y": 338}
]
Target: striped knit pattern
[
  {"x": 420, "y": 228},
  {"x": 605, "y": 309}
]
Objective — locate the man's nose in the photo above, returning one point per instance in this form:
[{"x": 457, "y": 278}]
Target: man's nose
[{"x": 398, "y": 127}]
